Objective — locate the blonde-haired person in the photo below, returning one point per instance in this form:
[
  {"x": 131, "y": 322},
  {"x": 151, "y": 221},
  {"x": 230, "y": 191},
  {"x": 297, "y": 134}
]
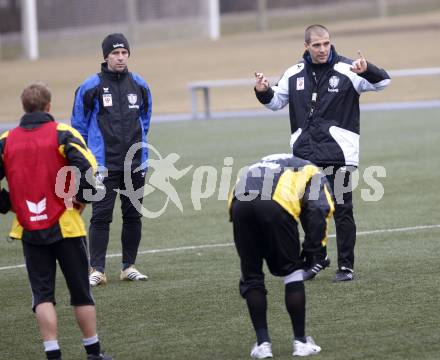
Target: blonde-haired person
[{"x": 51, "y": 228}]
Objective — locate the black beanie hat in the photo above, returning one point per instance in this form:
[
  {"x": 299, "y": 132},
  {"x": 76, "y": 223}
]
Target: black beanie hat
[{"x": 112, "y": 42}]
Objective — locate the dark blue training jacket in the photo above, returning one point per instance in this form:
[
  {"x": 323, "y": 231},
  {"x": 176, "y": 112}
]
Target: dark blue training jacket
[{"x": 112, "y": 112}]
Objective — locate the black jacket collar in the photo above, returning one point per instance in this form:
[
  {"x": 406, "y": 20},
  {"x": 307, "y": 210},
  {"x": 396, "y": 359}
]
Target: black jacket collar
[
  {"x": 35, "y": 119},
  {"x": 113, "y": 75}
]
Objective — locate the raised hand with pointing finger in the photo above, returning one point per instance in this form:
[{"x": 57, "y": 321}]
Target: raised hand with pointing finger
[
  {"x": 261, "y": 83},
  {"x": 322, "y": 93},
  {"x": 359, "y": 65}
]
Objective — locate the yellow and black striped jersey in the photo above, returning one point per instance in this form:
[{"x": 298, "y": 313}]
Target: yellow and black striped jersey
[{"x": 297, "y": 185}]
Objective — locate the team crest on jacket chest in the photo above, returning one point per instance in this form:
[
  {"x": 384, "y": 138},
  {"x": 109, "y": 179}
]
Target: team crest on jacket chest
[
  {"x": 333, "y": 82},
  {"x": 132, "y": 99},
  {"x": 300, "y": 83}
]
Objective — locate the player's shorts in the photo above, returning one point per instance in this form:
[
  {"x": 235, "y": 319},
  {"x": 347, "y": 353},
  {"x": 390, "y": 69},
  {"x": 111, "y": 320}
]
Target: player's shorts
[
  {"x": 263, "y": 230},
  {"x": 41, "y": 264}
]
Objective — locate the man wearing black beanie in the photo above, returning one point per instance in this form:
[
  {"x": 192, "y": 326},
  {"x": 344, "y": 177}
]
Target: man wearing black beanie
[
  {"x": 112, "y": 42},
  {"x": 112, "y": 111}
]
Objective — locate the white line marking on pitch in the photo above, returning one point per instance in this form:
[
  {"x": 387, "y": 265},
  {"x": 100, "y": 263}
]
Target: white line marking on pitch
[{"x": 208, "y": 246}]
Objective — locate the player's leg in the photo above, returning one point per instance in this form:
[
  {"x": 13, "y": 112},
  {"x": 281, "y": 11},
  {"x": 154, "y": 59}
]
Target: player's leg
[
  {"x": 295, "y": 300},
  {"x": 345, "y": 223},
  {"x": 247, "y": 238},
  {"x": 72, "y": 258},
  {"x": 41, "y": 268},
  {"x": 99, "y": 231},
  {"x": 321, "y": 261},
  {"x": 283, "y": 259},
  {"x": 86, "y": 318},
  {"x": 131, "y": 230},
  {"x": 47, "y": 323}
]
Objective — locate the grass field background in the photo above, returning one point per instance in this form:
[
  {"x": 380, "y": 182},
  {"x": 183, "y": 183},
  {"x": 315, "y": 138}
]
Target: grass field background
[{"x": 190, "y": 307}]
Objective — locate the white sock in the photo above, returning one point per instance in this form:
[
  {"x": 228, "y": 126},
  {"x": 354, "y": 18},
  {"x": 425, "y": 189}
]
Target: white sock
[
  {"x": 51, "y": 345},
  {"x": 91, "y": 340}
]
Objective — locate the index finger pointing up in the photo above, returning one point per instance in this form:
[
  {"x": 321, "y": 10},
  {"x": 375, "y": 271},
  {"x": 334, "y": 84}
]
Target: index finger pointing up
[{"x": 360, "y": 55}]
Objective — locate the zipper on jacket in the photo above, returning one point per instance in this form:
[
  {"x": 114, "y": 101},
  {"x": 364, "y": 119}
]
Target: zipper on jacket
[
  {"x": 314, "y": 99},
  {"x": 123, "y": 135}
]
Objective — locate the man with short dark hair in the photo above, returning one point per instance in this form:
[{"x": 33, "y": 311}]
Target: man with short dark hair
[
  {"x": 265, "y": 206},
  {"x": 51, "y": 229},
  {"x": 112, "y": 111},
  {"x": 322, "y": 91}
]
